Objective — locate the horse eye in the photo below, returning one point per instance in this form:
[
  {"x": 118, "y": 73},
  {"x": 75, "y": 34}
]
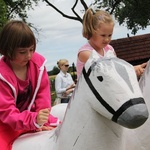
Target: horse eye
[{"x": 100, "y": 78}]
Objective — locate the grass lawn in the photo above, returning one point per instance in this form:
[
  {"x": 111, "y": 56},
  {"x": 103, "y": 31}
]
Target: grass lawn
[{"x": 53, "y": 93}]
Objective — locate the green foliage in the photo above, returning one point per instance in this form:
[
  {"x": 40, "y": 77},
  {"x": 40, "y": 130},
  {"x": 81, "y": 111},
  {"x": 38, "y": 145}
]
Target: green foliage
[
  {"x": 54, "y": 71},
  {"x": 3, "y": 14},
  {"x": 134, "y": 14},
  {"x": 19, "y": 8}
]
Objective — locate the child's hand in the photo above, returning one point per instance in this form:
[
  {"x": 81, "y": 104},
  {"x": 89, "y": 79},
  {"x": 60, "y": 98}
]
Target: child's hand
[
  {"x": 42, "y": 116},
  {"x": 139, "y": 69},
  {"x": 45, "y": 128}
]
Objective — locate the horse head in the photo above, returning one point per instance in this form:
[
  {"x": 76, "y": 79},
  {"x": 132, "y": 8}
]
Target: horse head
[{"x": 115, "y": 86}]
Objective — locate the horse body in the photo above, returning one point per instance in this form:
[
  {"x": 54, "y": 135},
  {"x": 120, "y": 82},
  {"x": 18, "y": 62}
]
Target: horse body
[
  {"x": 106, "y": 102},
  {"x": 84, "y": 128},
  {"x": 84, "y": 124},
  {"x": 86, "y": 119},
  {"x": 143, "y": 133}
]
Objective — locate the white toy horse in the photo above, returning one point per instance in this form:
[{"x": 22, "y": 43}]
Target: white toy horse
[
  {"x": 106, "y": 102},
  {"x": 143, "y": 133}
]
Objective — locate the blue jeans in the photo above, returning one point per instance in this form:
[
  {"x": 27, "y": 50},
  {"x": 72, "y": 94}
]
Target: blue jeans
[{"x": 65, "y": 100}]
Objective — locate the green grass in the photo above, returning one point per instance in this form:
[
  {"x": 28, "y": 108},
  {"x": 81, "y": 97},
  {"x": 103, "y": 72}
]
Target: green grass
[{"x": 53, "y": 96}]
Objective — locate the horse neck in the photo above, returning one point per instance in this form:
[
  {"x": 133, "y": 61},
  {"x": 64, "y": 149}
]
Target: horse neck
[
  {"x": 82, "y": 122},
  {"x": 76, "y": 117}
]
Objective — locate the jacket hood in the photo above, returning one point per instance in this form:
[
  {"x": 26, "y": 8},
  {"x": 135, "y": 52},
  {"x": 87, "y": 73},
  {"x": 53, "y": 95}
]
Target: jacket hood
[{"x": 36, "y": 60}]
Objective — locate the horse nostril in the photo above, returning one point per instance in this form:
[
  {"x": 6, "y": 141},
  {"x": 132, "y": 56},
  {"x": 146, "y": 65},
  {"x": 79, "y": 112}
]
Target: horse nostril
[{"x": 100, "y": 78}]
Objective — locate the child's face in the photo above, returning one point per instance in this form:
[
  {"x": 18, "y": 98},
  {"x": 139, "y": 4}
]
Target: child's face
[
  {"x": 23, "y": 55},
  {"x": 102, "y": 36}
]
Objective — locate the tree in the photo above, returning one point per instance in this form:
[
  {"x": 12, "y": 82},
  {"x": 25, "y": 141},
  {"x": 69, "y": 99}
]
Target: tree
[
  {"x": 19, "y": 8},
  {"x": 54, "y": 71},
  {"x": 16, "y": 9},
  {"x": 134, "y": 14},
  {"x": 3, "y": 14}
]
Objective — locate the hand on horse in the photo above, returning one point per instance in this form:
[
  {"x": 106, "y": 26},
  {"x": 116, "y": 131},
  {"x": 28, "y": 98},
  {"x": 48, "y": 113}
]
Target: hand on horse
[
  {"x": 42, "y": 116},
  {"x": 45, "y": 128},
  {"x": 139, "y": 69}
]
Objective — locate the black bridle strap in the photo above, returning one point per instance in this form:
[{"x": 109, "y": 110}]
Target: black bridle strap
[
  {"x": 99, "y": 98},
  {"x": 126, "y": 105}
]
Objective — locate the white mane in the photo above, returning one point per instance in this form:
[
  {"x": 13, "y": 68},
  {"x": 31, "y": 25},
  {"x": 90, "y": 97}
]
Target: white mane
[{"x": 106, "y": 104}]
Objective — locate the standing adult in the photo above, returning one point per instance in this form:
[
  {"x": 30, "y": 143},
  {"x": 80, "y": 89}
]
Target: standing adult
[{"x": 64, "y": 84}]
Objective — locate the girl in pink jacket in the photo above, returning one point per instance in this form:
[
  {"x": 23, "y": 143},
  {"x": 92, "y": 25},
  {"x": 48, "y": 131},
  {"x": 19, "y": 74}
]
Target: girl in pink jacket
[{"x": 25, "y": 100}]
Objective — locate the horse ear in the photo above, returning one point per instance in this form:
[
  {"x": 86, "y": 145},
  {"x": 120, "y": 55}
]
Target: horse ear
[
  {"x": 94, "y": 55},
  {"x": 110, "y": 54},
  {"x": 93, "y": 58}
]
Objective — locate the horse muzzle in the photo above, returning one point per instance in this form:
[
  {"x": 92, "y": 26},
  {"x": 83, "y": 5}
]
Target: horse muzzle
[{"x": 132, "y": 114}]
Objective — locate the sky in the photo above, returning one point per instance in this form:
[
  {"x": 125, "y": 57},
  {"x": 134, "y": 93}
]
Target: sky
[{"x": 61, "y": 38}]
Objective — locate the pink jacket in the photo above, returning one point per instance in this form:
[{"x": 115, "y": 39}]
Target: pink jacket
[{"x": 12, "y": 122}]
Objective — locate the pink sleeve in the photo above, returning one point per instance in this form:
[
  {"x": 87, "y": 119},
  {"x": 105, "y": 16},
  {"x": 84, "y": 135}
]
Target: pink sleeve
[
  {"x": 53, "y": 121},
  {"x": 109, "y": 47},
  {"x": 43, "y": 98},
  {"x": 10, "y": 115}
]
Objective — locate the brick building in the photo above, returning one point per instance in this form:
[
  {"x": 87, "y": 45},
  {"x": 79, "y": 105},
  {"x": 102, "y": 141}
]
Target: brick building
[{"x": 135, "y": 49}]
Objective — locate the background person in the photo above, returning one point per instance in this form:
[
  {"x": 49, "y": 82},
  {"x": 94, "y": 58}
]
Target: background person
[
  {"x": 64, "y": 84},
  {"x": 25, "y": 100}
]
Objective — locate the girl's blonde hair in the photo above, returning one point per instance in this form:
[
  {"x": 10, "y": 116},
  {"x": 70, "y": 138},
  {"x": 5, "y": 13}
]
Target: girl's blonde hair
[
  {"x": 61, "y": 62},
  {"x": 15, "y": 34},
  {"x": 93, "y": 19}
]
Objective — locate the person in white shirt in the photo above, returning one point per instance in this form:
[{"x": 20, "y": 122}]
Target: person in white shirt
[{"x": 64, "y": 84}]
